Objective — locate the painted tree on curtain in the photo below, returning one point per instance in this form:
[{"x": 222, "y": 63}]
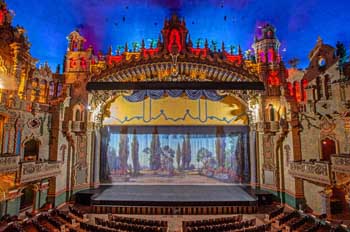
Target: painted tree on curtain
[
  {"x": 186, "y": 152},
  {"x": 124, "y": 148},
  {"x": 220, "y": 146},
  {"x": 155, "y": 150},
  {"x": 135, "y": 154},
  {"x": 235, "y": 150},
  {"x": 178, "y": 156}
]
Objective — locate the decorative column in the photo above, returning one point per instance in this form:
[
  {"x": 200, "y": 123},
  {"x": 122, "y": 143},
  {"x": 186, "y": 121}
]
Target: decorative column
[
  {"x": 36, "y": 197},
  {"x": 7, "y": 138},
  {"x": 16, "y": 48}
]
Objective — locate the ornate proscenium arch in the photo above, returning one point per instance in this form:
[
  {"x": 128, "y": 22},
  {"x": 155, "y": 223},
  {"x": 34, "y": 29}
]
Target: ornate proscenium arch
[{"x": 173, "y": 64}]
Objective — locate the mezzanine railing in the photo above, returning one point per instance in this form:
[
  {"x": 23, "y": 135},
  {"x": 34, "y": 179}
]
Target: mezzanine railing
[
  {"x": 32, "y": 170},
  {"x": 9, "y": 163},
  {"x": 341, "y": 163},
  {"x": 315, "y": 171}
]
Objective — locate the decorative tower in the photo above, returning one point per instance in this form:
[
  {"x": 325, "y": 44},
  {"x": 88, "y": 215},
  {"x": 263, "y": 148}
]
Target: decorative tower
[
  {"x": 271, "y": 69},
  {"x": 174, "y": 35},
  {"x": 77, "y": 59}
]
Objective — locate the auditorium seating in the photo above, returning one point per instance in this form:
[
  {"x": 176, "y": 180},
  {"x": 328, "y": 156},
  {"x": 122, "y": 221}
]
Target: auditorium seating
[
  {"x": 218, "y": 224},
  {"x": 287, "y": 217},
  {"x": 275, "y": 213},
  {"x": 130, "y": 224},
  {"x": 77, "y": 212},
  {"x": 65, "y": 221},
  {"x": 138, "y": 221}
]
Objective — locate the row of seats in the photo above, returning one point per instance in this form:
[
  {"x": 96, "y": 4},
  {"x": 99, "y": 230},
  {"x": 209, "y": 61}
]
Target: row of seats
[
  {"x": 138, "y": 221},
  {"x": 287, "y": 217},
  {"x": 76, "y": 212},
  {"x": 274, "y": 213},
  {"x": 53, "y": 221},
  {"x": 261, "y": 228},
  {"x": 93, "y": 228},
  {"x": 128, "y": 226},
  {"x": 215, "y": 221},
  {"x": 62, "y": 215},
  {"x": 223, "y": 227}
]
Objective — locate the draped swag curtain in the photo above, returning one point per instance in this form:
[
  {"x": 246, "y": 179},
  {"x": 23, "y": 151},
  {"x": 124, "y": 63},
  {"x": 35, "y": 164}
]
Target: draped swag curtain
[{"x": 140, "y": 95}]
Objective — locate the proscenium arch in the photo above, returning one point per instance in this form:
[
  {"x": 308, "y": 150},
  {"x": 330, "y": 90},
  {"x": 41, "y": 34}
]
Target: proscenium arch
[{"x": 196, "y": 69}]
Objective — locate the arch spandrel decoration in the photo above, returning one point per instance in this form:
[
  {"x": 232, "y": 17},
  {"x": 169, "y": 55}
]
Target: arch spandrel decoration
[{"x": 188, "y": 68}]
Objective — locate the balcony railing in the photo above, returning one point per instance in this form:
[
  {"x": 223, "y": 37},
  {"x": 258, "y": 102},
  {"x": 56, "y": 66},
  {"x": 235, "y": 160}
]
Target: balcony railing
[
  {"x": 314, "y": 171},
  {"x": 268, "y": 126},
  {"x": 9, "y": 163},
  {"x": 341, "y": 163},
  {"x": 31, "y": 171},
  {"x": 78, "y": 126}
]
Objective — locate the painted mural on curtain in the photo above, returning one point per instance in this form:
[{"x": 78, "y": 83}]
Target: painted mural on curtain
[{"x": 150, "y": 153}]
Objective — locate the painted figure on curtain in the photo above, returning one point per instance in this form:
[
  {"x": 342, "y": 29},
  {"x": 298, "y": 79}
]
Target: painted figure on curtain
[{"x": 147, "y": 154}]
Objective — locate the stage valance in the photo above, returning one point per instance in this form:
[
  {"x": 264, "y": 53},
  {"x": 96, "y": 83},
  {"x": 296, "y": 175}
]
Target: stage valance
[{"x": 140, "y": 95}]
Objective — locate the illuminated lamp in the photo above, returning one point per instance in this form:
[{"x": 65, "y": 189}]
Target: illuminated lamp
[
  {"x": 234, "y": 58},
  {"x": 114, "y": 59},
  {"x": 273, "y": 79}
]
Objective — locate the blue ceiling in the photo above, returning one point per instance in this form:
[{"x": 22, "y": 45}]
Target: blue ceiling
[{"x": 114, "y": 22}]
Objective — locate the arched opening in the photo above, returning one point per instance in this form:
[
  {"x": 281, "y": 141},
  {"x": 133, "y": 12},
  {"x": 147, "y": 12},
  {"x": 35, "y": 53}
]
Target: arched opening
[
  {"x": 43, "y": 91},
  {"x": 319, "y": 88},
  {"x": 35, "y": 84},
  {"x": 52, "y": 89},
  {"x": 59, "y": 89},
  {"x": 27, "y": 198},
  {"x": 328, "y": 86},
  {"x": 328, "y": 148},
  {"x": 271, "y": 113},
  {"x": 77, "y": 115},
  {"x": 31, "y": 150}
]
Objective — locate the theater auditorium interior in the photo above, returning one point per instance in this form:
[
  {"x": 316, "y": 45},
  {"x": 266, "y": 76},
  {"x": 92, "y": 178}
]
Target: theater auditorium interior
[{"x": 173, "y": 133}]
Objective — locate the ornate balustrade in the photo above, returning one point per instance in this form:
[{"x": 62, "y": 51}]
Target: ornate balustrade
[
  {"x": 78, "y": 126},
  {"x": 9, "y": 163},
  {"x": 268, "y": 126},
  {"x": 341, "y": 163},
  {"x": 31, "y": 171},
  {"x": 316, "y": 171}
]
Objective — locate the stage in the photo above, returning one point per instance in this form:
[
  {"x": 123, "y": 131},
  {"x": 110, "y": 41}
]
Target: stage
[{"x": 170, "y": 199}]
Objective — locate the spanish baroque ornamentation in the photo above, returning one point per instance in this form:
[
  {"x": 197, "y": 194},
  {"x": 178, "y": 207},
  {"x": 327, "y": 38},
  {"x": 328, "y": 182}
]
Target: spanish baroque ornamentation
[
  {"x": 318, "y": 172},
  {"x": 34, "y": 123},
  {"x": 31, "y": 170}
]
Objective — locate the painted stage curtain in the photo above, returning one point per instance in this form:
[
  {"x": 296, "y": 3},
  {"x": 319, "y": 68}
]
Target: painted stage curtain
[
  {"x": 140, "y": 95},
  {"x": 219, "y": 153}
]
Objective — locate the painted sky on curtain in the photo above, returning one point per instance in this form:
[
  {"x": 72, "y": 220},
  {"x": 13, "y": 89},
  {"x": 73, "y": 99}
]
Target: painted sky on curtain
[
  {"x": 215, "y": 152},
  {"x": 114, "y": 22}
]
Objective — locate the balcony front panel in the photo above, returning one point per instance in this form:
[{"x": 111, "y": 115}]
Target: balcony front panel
[
  {"x": 341, "y": 163},
  {"x": 318, "y": 172},
  {"x": 9, "y": 163},
  {"x": 31, "y": 171}
]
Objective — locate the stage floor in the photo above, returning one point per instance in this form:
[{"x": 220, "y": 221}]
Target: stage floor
[{"x": 172, "y": 195}]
